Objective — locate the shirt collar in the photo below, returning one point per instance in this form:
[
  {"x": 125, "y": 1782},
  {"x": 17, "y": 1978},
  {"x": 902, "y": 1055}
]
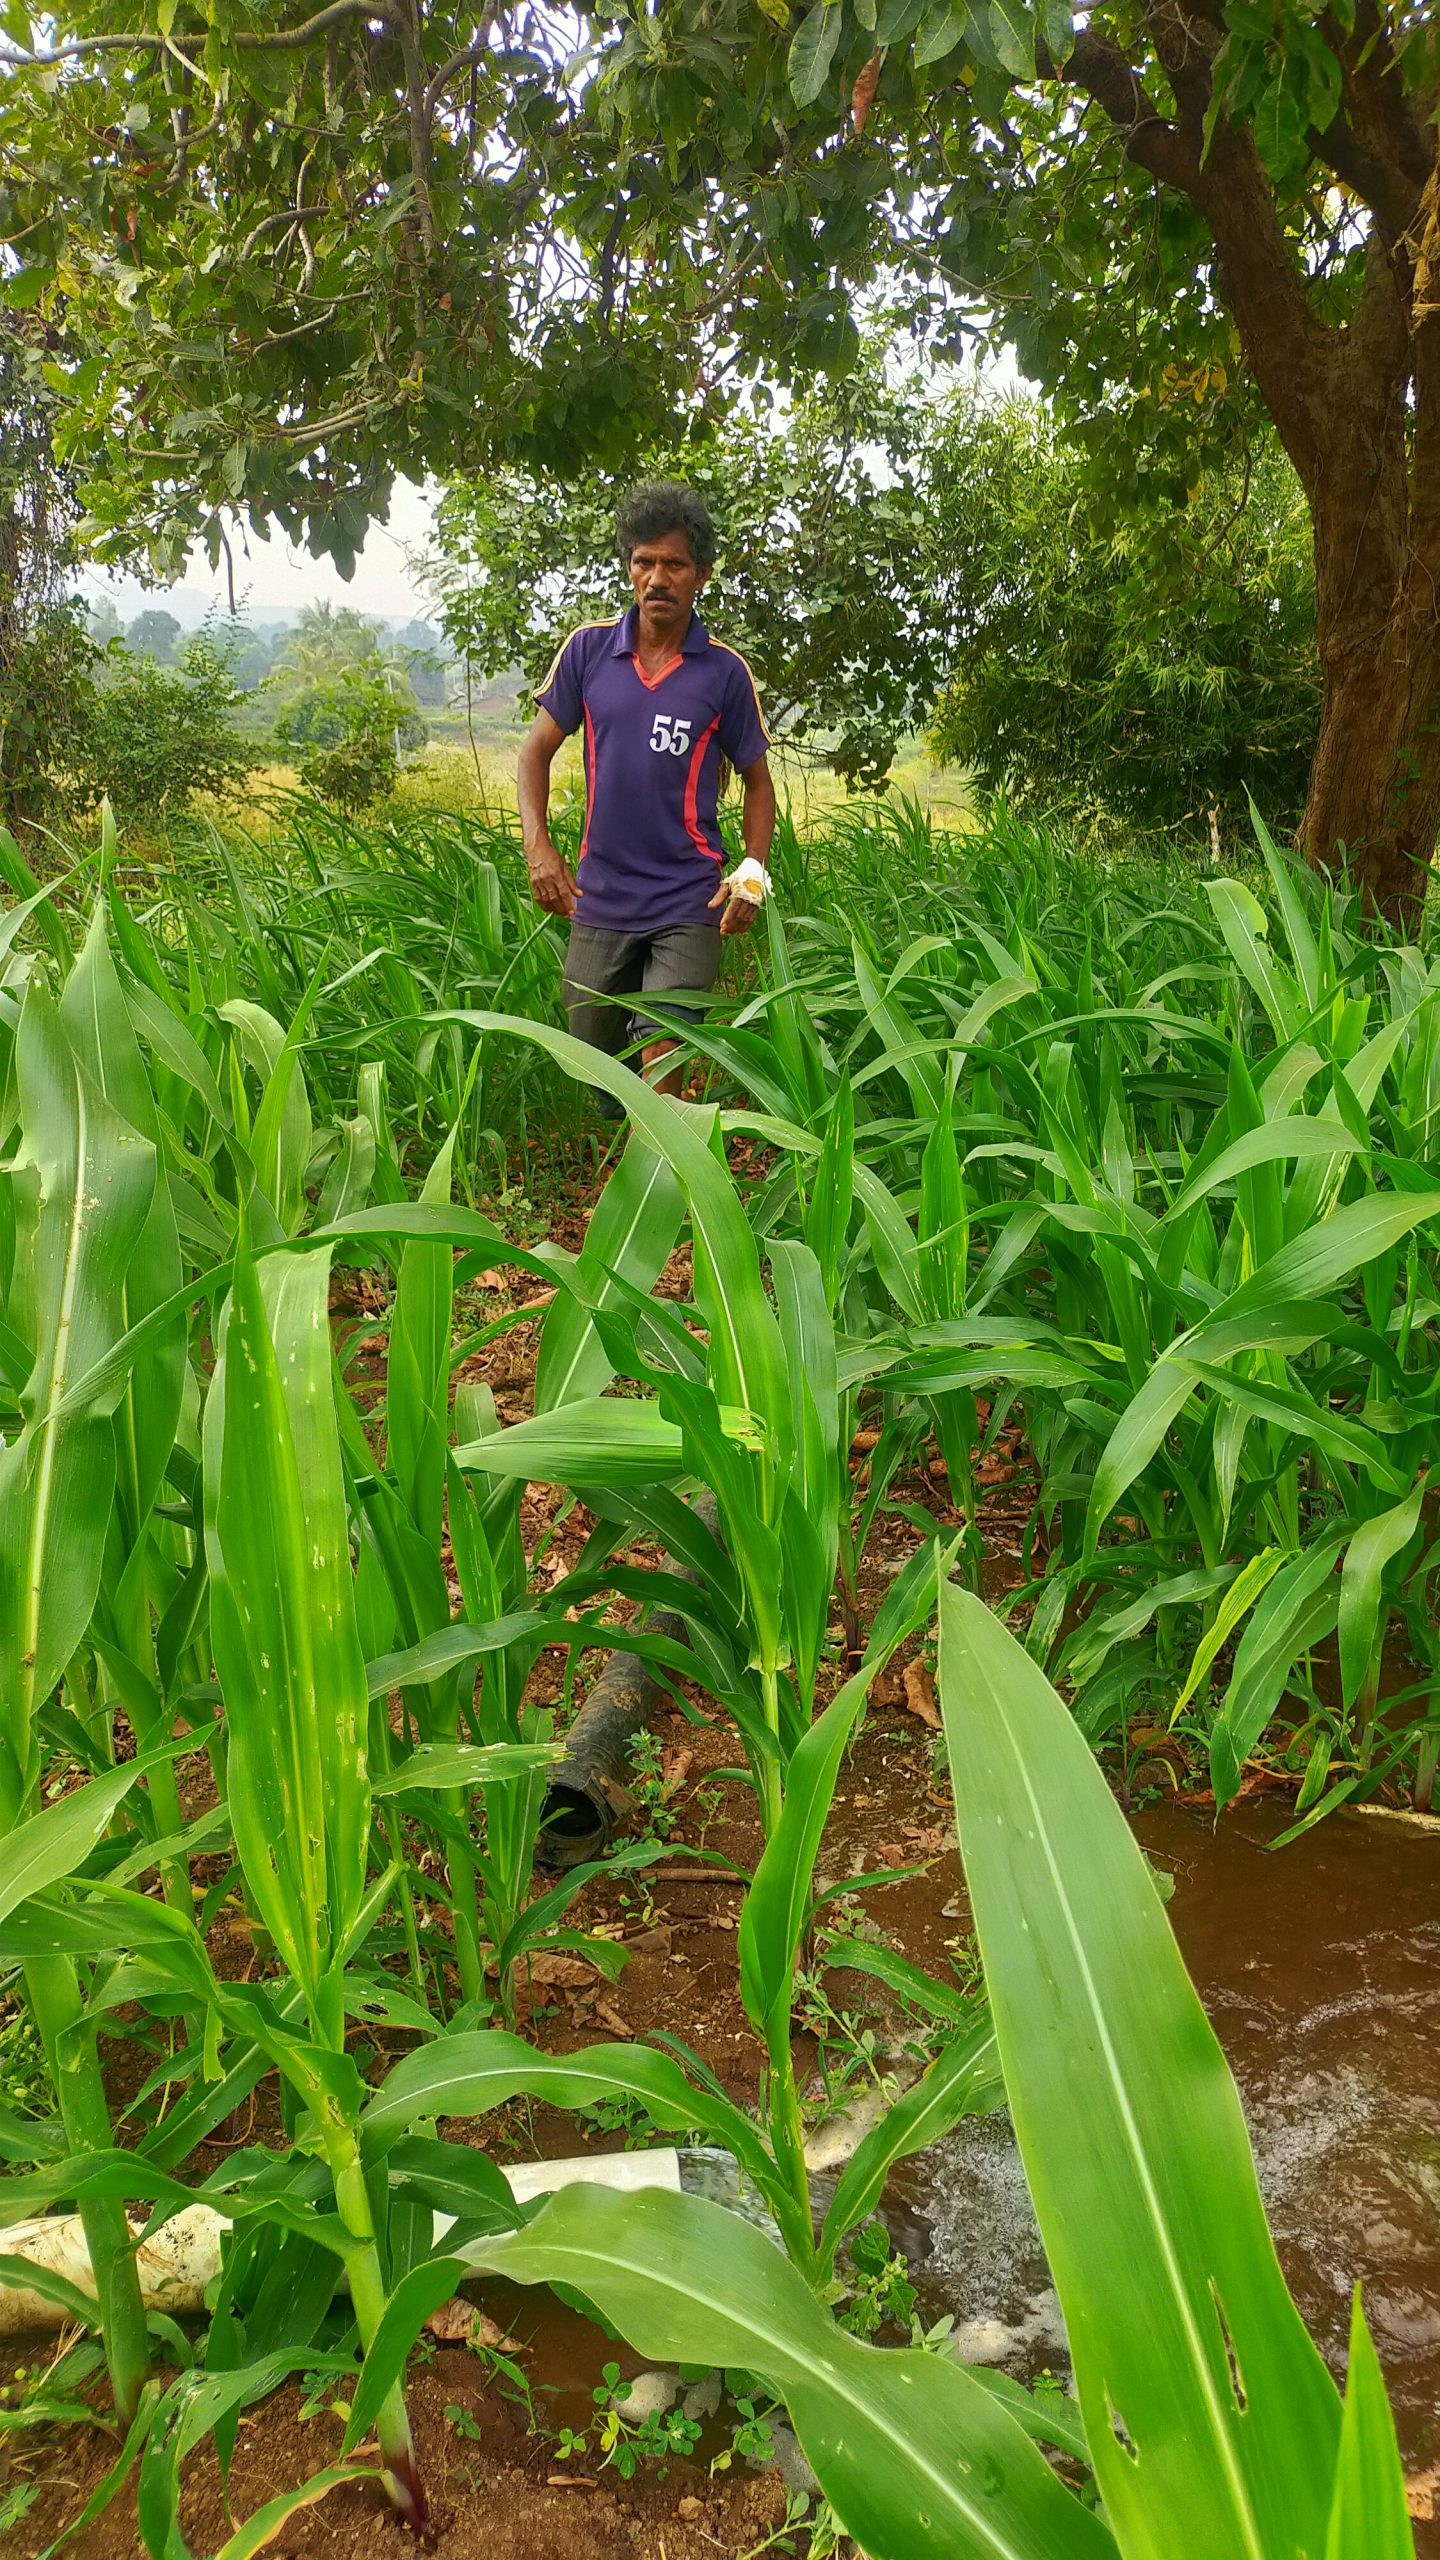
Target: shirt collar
[{"x": 695, "y": 642}]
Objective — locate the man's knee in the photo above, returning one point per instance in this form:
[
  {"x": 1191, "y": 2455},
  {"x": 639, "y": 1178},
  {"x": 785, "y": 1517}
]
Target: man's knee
[{"x": 602, "y": 973}]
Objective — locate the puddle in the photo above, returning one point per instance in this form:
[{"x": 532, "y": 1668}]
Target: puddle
[{"x": 1320, "y": 1968}]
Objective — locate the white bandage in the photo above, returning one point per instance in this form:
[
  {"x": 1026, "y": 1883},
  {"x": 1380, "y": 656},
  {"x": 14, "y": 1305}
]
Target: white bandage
[{"x": 751, "y": 880}]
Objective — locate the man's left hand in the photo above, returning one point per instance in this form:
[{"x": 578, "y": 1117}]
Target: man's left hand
[{"x": 740, "y": 913}]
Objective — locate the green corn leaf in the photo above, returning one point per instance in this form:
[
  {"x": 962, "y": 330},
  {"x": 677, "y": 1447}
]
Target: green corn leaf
[
  {"x": 1312, "y": 1265},
  {"x": 596, "y": 1440},
  {"x": 195, "y": 2404},
  {"x": 777, "y": 1906},
  {"x": 24, "y": 2276},
  {"x": 1368, "y": 2515},
  {"x": 465, "y": 1764},
  {"x": 259, "y": 2531},
  {"x": 1375, "y": 1544},
  {"x": 1135, "y": 1439},
  {"x": 917, "y": 2459},
  {"x": 942, "y": 2000},
  {"x": 630, "y": 1238},
  {"x": 746, "y": 1364},
  {"x": 409, "y": 2307},
  {"x": 1297, "y": 1611},
  {"x": 965, "y": 2081},
  {"x": 470, "y": 2074},
  {"x": 283, "y": 1133},
  {"x": 97, "y": 1021},
  {"x": 1241, "y": 919},
  {"x": 83, "y": 1186},
  {"x": 417, "y": 1370},
  {"x": 55, "y": 1843},
  {"x": 1276, "y": 1141},
  {"x": 448, "y": 1649},
  {"x": 286, "y": 1644},
  {"x": 1303, "y": 949},
  {"x": 832, "y": 1188},
  {"x": 1243, "y": 1592},
  {"x": 1133, "y": 2141}
]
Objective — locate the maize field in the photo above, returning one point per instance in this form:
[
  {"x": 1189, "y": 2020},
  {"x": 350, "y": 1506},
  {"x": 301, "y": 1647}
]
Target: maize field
[{"x": 1134, "y": 1172}]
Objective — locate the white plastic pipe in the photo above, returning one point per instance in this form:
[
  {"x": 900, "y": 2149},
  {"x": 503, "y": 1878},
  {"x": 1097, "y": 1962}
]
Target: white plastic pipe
[{"x": 177, "y": 2262}]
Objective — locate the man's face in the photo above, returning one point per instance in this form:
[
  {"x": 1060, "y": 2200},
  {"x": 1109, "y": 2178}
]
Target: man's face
[{"x": 666, "y": 581}]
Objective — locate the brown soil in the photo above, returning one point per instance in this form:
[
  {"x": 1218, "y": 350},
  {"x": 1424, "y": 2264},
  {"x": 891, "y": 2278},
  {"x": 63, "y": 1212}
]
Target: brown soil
[{"x": 497, "y": 2495}]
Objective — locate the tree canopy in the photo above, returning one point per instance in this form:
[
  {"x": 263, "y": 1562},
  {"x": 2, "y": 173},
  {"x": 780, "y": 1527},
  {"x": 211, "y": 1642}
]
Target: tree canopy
[
  {"x": 828, "y": 580},
  {"x": 1158, "y": 669},
  {"x": 283, "y": 257}
]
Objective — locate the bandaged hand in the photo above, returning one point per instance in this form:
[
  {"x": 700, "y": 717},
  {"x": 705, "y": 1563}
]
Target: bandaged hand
[{"x": 746, "y": 888}]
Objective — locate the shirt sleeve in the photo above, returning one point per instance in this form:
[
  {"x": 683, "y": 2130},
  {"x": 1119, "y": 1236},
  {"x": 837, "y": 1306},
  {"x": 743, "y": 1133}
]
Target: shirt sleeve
[
  {"x": 743, "y": 734},
  {"x": 561, "y": 691}
]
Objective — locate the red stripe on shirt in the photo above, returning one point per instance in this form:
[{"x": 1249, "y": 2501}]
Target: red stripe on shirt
[
  {"x": 589, "y": 777},
  {"x": 658, "y": 678},
  {"x": 692, "y": 793}
]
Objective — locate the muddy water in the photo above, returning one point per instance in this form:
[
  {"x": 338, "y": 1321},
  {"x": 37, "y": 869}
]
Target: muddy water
[{"x": 1320, "y": 1968}]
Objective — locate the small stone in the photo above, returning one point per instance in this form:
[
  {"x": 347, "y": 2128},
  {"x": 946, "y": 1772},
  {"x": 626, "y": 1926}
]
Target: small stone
[
  {"x": 703, "y": 2397},
  {"x": 689, "y": 2508},
  {"x": 791, "y": 2464},
  {"x": 650, "y": 2395}
]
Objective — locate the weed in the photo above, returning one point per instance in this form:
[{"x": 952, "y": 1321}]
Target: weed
[
  {"x": 660, "y": 2437},
  {"x": 654, "y": 1794},
  {"x": 879, "y": 2293},
  {"x": 24, "y": 2079}
]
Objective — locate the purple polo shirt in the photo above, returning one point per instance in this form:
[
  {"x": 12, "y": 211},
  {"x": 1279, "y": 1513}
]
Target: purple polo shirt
[{"x": 651, "y": 854}]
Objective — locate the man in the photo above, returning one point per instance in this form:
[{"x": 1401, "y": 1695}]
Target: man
[{"x": 661, "y": 704}]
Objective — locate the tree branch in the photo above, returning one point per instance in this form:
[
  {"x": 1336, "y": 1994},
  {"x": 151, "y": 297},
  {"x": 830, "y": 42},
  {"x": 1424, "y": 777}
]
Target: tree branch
[
  {"x": 20, "y": 58},
  {"x": 1101, "y": 70}
]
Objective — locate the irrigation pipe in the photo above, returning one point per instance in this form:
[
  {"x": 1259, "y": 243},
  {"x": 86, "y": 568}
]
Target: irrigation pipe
[
  {"x": 588, "y": 1789},
  {"x": 180, "y": 2260}
]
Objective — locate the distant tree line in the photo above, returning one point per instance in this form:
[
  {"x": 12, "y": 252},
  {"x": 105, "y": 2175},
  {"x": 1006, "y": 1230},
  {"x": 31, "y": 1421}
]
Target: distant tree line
[{"x": 149, "y": 716}]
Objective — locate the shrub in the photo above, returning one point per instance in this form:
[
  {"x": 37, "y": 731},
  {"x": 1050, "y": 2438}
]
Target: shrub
[
  {"x": 350, "y": 732},
  {"x": 153, "y": 736}
]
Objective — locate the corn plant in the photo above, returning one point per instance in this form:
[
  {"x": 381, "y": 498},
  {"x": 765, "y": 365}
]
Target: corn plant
[
  {"x": 1206, "y": 2414},
  {"x": 81, "y": 1191}
]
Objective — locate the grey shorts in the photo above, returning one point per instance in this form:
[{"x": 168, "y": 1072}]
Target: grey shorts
[{"x": 683, "y": 957}]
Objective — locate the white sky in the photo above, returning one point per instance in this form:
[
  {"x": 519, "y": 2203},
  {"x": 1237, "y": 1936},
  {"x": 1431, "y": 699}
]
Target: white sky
[{"x": 278, "y": 578}]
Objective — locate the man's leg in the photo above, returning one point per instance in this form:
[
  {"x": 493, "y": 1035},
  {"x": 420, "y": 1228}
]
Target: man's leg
[
  {"x": 600, "y": 964},
  {"x": 686, "y": 959}
]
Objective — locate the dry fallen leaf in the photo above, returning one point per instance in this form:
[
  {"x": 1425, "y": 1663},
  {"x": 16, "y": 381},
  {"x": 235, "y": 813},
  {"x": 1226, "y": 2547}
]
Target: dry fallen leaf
[
  {"x": 610, "y": 2017},
  {"x": 560, "y": 1972},
  {"x": 458, "y": 2323},
  {"x": 920, "y": 1694},
  {"x": 675, "y": 1767}
]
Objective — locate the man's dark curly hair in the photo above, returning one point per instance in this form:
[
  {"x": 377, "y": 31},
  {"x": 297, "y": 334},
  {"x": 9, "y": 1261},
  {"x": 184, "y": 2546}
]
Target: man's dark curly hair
[{"x": 665, "y": 506}]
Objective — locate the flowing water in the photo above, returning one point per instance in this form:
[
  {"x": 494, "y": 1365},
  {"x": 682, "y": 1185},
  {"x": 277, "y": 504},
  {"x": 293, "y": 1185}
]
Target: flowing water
[{"x": 1320, "y": 1968}]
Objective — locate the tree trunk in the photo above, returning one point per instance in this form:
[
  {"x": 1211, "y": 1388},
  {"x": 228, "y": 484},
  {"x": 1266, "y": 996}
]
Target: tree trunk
[{"x": 1373, "y": 807}]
